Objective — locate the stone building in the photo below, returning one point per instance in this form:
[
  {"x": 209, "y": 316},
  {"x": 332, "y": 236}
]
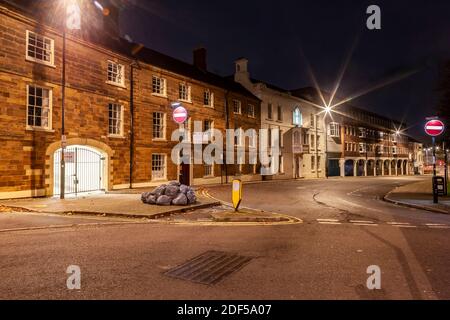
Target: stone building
[
  {"x": 299, "y": 123},
  {"x": 118, "y": 106}
]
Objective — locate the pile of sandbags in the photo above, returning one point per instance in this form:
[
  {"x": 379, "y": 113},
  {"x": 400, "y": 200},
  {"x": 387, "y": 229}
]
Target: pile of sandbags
[{"x": 174, "y": 193}]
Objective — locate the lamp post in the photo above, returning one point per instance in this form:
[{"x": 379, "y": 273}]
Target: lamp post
[
  {"x": 62, "y": 182},
  {"x": 325, "y": 128}
]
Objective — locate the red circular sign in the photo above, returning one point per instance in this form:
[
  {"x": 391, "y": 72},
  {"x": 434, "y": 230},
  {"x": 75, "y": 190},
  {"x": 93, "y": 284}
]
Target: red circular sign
[
  {"x": 180, "y": 115},
  {"x": 434, "y": 128}
]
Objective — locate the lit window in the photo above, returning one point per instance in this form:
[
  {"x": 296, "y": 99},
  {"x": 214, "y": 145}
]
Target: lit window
[
  {"x": 184, "y": 92},
  {"x": 159, "y": 130},
  {"x": 158, "y": 167},
  {"x": 159, "y": 86},
  {"x": 115, "y": 119},
  {"x": 237, "y": 107},
  {"x": 208, "y": 98},
  {"x": 297, "y": 118},
  {"x": 116, "y": 73},
  {"x": 335, "y": 130},
  {"x": 251, "y": 111},
  {"x": 362, "y": 132},
  {"x": 362, "y": 147},
  {"x": 40, "y": 49},
  {"x": 39, "y": 107}
]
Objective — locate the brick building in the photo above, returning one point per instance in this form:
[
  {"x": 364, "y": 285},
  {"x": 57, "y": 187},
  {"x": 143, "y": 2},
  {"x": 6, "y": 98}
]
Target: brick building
[
  {"x": 362, "y": 143},
  {"x": 118, "y": 132}
]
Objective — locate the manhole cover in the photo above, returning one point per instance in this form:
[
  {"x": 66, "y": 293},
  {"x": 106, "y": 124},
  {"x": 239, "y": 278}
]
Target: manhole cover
[{"x": 209, "y": 267}]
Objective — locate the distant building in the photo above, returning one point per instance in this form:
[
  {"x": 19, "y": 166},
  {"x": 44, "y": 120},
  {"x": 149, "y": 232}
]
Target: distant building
[
  {"x": 301, "y": 127},
  {"x": 362, "y": 143}
]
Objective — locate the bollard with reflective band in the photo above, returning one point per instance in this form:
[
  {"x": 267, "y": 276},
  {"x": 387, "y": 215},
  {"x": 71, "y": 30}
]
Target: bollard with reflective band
[{"x": 237, "y": 194}]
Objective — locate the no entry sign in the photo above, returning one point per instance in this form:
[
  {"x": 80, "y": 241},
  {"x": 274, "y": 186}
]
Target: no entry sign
[
  {"x": 180, "y": 115},
  {"x": 434, "y": 128}
]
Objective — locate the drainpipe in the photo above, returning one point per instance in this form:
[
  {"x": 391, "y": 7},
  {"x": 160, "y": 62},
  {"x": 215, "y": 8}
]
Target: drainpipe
[
  {"x": 227, "y": 123},
  {"x": 132, "y": 66}
]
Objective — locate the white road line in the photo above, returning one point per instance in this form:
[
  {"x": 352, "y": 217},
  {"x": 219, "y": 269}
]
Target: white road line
[
  {"x": 366, "y": 224},
  {"x": 361, "y": 221},
  {"x": 327, "y": 220},
  {"x": 435, "y": 225},
  {"x": 398, "y": 223},
  {"x": 331, "y": 223}
]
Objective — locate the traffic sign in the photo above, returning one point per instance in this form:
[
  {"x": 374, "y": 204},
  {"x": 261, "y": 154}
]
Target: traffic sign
[
  {"x": 180, "y": 115},
  {"x": 434, "y": 128}
]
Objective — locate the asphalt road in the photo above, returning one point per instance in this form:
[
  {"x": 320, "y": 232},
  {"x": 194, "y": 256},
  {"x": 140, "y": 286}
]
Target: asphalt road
[{"x": 318, "y": 259}]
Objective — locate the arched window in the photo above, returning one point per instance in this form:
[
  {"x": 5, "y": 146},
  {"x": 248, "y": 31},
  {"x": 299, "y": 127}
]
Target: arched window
[{"x": 297, "y": 118}]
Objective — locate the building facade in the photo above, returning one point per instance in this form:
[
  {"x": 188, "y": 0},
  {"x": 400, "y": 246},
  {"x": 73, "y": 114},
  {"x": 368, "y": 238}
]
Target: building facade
[
  {"x": 118, "y": 109},
  {"x": 299, "y": 123},
  {"x": 362, "y": 143}
]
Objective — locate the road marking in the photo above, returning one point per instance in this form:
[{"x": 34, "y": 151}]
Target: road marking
[
  {"x": 435, "y": 225},
  {"x": 330, "y": 223},
  {"x": 398, "y": 223},
  {"x": 327, "y": 220},
  {"x": 361, "y": 221},
  {"x": 366, "y": 224},
  {"x": 439, "y": 227}
]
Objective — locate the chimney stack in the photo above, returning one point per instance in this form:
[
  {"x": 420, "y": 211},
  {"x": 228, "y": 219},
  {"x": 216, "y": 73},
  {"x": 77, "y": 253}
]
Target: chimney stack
[{"x": 200, "y": 58}]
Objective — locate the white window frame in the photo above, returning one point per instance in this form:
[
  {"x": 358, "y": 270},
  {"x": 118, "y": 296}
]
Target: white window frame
[
  {"x": 237, "y": 104},
  {"x": 362, "y": 147},
  {"x": 334, "y": 130},
  {"x": 362, "y": 132},
  {"x": 162, "y": 86},
  {"x": 297, "y": 117},
  {"x": 184, "y": 92},
  {"x": 119, "y": 74},
  {"x": 50, "y": 109},
  {"x": 251, "y": 108},
  {"x": 164, "y": 126},
  {"x": 121, "y": 113},
  {"x": 50, "y": 63},
  {"x": 208, "y": 94},
  {"x": 164, "y": 169}
]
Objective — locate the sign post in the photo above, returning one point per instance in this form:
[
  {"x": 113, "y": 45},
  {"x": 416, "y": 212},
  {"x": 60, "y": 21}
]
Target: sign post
[
  {"x": 434, "y": 128},
  {"x": 237, "y": 194}
]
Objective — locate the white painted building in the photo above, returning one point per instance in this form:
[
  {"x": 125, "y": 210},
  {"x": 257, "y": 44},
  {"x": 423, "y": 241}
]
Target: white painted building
[{"x": 301, "y": 127}]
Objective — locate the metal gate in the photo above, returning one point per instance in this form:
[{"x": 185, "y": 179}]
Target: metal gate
[{"x": 83, "y": 173}]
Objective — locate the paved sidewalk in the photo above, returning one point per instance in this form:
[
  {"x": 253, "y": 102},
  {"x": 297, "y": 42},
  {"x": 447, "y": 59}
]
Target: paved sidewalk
[
  {"x": 118, "y": 205},
  {"x": 419, "y": 195}
]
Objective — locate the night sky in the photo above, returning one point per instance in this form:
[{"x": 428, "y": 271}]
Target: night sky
[{"x": 280, "y": 37}]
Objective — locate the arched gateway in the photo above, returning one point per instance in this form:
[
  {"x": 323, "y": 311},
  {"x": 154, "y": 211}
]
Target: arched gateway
[{"x": 87, "y": 168}]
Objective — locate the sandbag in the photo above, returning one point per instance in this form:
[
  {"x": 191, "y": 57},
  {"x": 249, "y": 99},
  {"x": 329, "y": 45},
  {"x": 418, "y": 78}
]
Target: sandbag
[{"x": 172, "y": 191}]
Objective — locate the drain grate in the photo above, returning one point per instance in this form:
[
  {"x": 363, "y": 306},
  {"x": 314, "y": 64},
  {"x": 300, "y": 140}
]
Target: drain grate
[{"x": 209, "y": 268}]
